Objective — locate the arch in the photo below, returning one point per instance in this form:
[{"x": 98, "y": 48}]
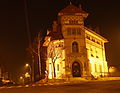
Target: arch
[
  {"x": 76, "y": 69},
  {"x": 75, "y": 47}
]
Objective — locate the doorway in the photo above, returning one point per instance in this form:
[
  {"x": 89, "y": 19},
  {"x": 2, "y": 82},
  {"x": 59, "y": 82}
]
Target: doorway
[{"x": 76, "y": 72}]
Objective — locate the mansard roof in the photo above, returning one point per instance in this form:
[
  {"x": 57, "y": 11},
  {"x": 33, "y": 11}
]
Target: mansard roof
[{"x": 71, "y": 9}]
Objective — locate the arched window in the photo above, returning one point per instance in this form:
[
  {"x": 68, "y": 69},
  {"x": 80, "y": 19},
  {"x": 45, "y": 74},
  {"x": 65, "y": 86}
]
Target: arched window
[{"x": 75, "y": 47}]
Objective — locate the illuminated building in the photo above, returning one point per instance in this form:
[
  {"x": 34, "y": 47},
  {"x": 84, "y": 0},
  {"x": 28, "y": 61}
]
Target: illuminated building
[{"x": 74, "y": 50}]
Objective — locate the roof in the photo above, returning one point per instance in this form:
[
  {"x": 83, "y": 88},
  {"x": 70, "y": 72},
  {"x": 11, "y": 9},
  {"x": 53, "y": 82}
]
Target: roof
[
  {"x": 56, "y": 35},
  {"x": 71, "y": 9},
  {"x": 105, "y": 40}
]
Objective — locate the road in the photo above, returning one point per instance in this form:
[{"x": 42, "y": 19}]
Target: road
[{"x": 84, "y": 87}]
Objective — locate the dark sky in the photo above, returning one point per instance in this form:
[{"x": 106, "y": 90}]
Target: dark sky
[{"x": 104, "y": 14}]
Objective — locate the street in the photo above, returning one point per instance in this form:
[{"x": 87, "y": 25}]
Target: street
[{"x": 83, "y": 87}]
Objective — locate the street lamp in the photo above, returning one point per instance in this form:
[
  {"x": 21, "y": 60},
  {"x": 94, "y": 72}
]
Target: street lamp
[
  {"x": 28, "y": 66},
  {"x": 29, "y": 73},
  {"x": 21, "y": 80}
]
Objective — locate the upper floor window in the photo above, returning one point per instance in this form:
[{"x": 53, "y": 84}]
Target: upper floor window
[
  {"x": 75, "y": 47},
  {"x": 73, "y": 31}
]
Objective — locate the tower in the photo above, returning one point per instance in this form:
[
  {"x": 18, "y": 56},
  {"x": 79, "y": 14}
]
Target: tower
[{"x": 71, "y": 20}]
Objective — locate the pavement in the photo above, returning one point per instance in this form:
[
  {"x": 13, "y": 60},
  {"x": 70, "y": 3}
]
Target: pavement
[
  {"x": 62, "y": 82},
  {"x": 110, "y": 86}
]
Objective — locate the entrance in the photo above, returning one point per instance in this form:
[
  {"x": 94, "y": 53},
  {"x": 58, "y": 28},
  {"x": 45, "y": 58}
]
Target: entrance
[{"x": 76, "y": 72}]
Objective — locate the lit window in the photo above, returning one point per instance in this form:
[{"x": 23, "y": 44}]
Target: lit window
[
  {"x": 58, "y": 67},
  {"x": 75, "y": 47},
  {"x": 95, "y": 68},
  {"x": 100, "y": 68}
]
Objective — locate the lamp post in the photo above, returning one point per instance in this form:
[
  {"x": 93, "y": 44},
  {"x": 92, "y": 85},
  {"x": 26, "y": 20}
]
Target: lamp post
[
  {"x": 21, "y": 80},
  {"x": 39, "y": 59},
  {"x": 27, "y": 65},
  {"x": 29, "y": 73}
]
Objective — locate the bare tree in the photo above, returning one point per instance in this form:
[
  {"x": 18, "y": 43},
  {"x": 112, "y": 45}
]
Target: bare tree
[{"x": 54, "y": 52}]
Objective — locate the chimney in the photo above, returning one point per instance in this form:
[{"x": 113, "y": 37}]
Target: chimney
[{"x": 55, "y": 25}]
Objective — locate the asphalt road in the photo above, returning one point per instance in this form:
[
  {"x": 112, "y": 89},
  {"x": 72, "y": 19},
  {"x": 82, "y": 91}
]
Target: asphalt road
[{"x": 84, "y": 87}]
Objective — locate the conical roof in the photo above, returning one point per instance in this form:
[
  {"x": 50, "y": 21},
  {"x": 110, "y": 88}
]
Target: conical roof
[{"x": 71, "y": 9}]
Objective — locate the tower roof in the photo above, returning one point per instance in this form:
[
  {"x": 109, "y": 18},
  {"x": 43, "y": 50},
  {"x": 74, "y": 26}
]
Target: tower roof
[{"x": 71, "y": 9}]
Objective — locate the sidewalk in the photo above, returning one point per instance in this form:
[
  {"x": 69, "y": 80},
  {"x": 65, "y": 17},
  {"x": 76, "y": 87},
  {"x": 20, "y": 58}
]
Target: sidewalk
[
  {"x": 108, "y": 78},
  {"x": 76, "y": 81},
  {"x": 62, "y": 82}
]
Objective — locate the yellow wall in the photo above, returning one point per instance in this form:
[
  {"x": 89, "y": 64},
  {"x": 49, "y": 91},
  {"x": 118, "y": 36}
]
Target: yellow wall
[
  {"x": 96, "y": 55},
  {"x": 59, "y": 57}
]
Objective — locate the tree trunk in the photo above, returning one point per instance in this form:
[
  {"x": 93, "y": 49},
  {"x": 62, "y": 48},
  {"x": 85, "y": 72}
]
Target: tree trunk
[{"x": 54, "y": 69}]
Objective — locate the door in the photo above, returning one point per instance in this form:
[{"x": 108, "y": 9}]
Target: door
[{"x": 76, "y": 72}]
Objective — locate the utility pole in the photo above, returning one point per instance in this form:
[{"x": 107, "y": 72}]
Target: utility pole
[
  {"x": 29, "y": 36},
  {"x": 39, "y": 51}
]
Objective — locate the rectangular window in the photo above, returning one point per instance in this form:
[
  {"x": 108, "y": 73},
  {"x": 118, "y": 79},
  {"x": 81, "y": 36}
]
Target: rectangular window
[
  {"x": 73, "y": 31},
  {"x": 69, "y": 31},
  {"x": 58, "y": 67},
  {"x": 78, "y": 31},
  {"x": 100, "y": 69},
  {"x": 95, "y": 68}
]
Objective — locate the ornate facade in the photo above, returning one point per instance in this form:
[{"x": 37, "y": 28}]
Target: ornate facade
[{"x": 74, "y": 50}]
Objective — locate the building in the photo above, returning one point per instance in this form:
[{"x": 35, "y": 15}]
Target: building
[
  {"x": 0, "y": 72},
  {"x": 73, "y": 50},
  {"x": 3, "y": 75}
]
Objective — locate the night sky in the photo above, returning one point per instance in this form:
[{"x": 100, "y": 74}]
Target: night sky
[{"x": 104, "y": 14}]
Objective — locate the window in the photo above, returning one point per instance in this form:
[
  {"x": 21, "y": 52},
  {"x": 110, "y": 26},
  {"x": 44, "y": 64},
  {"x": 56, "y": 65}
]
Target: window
[
  {"x": 88, "y": 37},
  {"x": 73, "y": 31},
  {"x": 92, "y": 55},
  {"x": 95, "y": 68},
  {"x": 78, "y": 31},
  {"x": 75, "y": 47},
  {"x": 98, "y": 42},
  {"x": 97, "y": 56},
  {"x": 93, "y": 40},
  {"x": 58, "y": 67},
  {"x": 91, "y": 49},
  {"x": 100, "y": 68}
]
